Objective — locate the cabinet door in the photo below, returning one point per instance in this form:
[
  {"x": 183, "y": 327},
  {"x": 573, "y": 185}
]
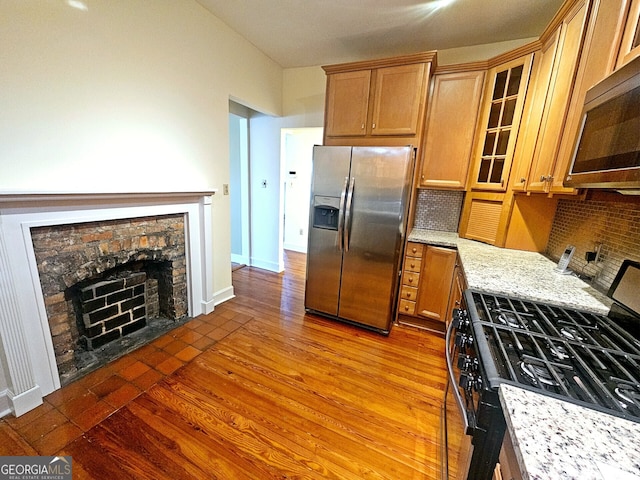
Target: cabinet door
[
  {"x": 630, "y": 46},
  {"x": 596, "y": 62},
  {"x": 398, "y": 99},
  {"x": 347, "y": 103},
  {"x": 499, "y": 123},
  {"x": 437, "y": 273},
  {"x": 560, "y": 86},
  {"x": 533, "y": 113},
  {"x": 453, "y": 112}
]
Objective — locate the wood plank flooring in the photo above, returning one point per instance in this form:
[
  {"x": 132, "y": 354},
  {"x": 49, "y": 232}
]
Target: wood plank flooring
[{"x": 283, "y": 395}]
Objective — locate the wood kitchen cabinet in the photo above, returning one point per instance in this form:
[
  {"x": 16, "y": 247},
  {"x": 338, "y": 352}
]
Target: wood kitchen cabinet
[
  {"x": 499, "y": 122},
  {"x": 451, "y": 124},
  {"x": 435, "y": 283},
  {"x": 630, "y": 44},
  {"x": 427, "y": 276},
  {"x": 537, "y": 157},
  {"x": 380, "y": 102}
]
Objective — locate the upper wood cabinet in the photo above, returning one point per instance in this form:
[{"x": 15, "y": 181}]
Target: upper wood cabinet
[
  {"x": 548, "y": 103},
  {"x": 381, "y": 102},
  {"x": 630, "y": 45},
  {"x": 451, "y": 123},
  {"x": 499, "y": 122},
  {"x": 347, "y": 103}
]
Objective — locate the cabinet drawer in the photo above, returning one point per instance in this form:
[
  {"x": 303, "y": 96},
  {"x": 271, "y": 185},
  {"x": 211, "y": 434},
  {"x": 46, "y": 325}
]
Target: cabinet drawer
[
  {"x": 412, "y": 264},
  {"x": 409, "y": 293},
  {"x": 410, "y": 278},
  {"x": 407, "y": 307},
  {"x": 414, "y": 249}
]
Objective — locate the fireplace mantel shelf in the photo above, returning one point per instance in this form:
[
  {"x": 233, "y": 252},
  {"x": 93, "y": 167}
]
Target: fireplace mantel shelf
[{"x": 53, "y": 196}]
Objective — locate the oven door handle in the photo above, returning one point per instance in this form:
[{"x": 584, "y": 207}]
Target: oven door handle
[{"x": 452, "y": 380}]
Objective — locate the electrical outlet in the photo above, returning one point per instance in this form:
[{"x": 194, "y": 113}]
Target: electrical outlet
[
  {"x": 598, "y": 250},
  {"x": 264, "y": 183},
  {"x": 225, "y": 189},
  {"x": 301, "y": 231}
]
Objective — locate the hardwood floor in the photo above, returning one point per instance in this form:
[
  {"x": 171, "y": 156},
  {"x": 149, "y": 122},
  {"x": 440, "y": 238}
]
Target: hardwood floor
[{"x": 283, "y": 394}]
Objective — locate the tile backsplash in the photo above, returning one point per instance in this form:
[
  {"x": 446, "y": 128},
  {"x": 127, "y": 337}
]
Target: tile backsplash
[
  {"x": 585, "y": 224},
  {"x": 438, "y": 210}
]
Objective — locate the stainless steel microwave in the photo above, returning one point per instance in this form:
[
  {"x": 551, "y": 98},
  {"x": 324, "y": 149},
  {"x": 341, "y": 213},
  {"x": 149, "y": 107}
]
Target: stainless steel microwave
[{"x": 607, "y": 151}]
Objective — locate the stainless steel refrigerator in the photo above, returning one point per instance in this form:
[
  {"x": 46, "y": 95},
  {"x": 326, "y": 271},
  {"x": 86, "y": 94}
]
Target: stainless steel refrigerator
[{"x": 359, "y": 203}]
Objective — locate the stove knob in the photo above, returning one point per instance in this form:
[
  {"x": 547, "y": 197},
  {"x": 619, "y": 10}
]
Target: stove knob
[
  {"x": 477, "y": 383},
  {"x": 463, "y": 340},
  {"x": 464, "y": 362},
  {"x": 467, "y": 381},
  {"x": 460, "y": 318}
]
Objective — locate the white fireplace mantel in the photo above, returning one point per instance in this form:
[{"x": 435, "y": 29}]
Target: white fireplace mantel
[{"x": 27, "y": 359}]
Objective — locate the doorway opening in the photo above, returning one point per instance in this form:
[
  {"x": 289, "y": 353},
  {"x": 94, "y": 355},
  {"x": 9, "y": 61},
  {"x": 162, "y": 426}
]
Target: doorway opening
[
  {"x": 297, "y": 155},
  {"x": 239, "y": 184}
]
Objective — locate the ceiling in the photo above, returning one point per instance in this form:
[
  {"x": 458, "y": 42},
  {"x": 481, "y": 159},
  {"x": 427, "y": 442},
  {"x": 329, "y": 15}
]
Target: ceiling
[{"x": 298, "y": 33}]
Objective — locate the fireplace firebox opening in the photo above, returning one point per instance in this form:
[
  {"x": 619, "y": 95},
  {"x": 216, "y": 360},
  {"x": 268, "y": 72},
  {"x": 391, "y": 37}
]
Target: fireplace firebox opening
[{"x": 110, "y": 287}]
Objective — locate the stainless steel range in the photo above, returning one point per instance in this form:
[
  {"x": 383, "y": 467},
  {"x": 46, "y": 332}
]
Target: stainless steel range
[{"x": 581, "y": 357}]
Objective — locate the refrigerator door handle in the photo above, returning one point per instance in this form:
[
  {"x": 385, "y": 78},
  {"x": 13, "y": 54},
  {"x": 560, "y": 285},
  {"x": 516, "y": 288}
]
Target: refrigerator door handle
[
  {"x": 347, "y": 215},
  {"x": 341, "y": 214}
]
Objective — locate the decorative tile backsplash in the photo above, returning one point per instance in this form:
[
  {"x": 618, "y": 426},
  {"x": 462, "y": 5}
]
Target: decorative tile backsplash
[
  {"x": 585, "y": 224},
  {"x": 438, "y": 210}
]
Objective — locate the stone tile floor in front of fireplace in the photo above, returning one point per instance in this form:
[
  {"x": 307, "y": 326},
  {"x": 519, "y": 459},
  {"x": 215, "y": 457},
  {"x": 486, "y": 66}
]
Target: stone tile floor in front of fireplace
[{"x": 69, "y": 412}]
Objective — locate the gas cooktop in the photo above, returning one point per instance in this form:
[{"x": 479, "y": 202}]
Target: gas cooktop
[{"x": 579, "y": 356}]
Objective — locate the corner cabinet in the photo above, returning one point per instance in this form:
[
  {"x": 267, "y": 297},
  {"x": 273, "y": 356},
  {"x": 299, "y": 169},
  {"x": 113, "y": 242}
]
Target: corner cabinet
[
  {"x": 379, "y": 102},
  {"x": 451, "y": 124}
]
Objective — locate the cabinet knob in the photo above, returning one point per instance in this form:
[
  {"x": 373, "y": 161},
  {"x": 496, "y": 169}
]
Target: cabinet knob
[
  {"x": 406, "y": 308},
  {"x": 373, "y": 126},
  {"x": 409, "y": 295},
  {"x": 413, "y": 265},
  {"x": 523, "y": 180},
  {"x": 543, "y": 178},
  {"x": 362, "y": 126},
  {"x": 414, "y": 249},
  {"x": 410, "y": 279}
]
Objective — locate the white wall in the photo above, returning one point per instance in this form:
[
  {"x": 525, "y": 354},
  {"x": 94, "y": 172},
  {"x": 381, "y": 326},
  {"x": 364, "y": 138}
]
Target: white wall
[
  {"x": 297, "y": 158},
  {"x": 128, "y": 95}
]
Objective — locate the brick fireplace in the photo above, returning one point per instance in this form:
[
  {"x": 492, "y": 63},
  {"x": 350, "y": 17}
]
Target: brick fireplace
[
  {"x": 56, "y": 249},
  {"x": 102, "y": 281}
]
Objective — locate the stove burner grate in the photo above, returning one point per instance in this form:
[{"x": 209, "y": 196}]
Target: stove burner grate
[
  {"x": 508, "y": 319},
  {"x": 628, "y": 394},
  {"x": 537, "y": 374},
  {"x": 572, "y": 333}
]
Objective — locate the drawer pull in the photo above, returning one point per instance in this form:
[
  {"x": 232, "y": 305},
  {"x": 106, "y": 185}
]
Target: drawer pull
[
  {"x": 410, "y": 279},
  {"x": 414, "y": 249}
]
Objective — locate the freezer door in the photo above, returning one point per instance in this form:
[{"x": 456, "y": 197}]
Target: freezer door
[
  {"x": 374, "y": 232},
  {"x": 324, "y": 255}
]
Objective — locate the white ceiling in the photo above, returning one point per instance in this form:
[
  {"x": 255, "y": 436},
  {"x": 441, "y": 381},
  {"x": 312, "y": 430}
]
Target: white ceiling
[{"x": 297, "y": 33}]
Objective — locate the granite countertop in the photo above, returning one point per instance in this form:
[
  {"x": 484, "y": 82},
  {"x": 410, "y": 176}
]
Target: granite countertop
[
  {"x": 553, "y": 439},
  {"x": 557, "y": 440},
  {"x": 528, "y": 275}
]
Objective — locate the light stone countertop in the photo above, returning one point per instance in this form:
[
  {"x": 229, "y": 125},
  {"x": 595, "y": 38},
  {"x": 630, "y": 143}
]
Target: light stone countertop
[
  {"x": 557, "y": 440},
  {"x": 528, "y": 275},
  {"x": 553, "y": 439}
]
